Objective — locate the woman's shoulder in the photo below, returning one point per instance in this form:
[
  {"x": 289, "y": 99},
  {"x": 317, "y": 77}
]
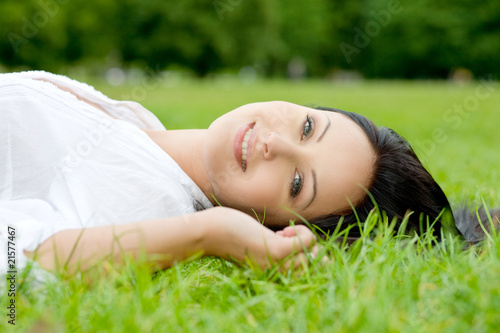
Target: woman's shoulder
[{"x": 129, "y": 111}]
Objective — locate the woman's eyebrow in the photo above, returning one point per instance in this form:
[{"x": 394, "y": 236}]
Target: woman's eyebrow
[
  {"x": 315, "y": 189},
  {"x": 326, "y": 128},
  {"x": 313, "y": 173}
]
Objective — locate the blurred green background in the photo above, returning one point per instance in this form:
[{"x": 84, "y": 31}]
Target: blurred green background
[{"x": 344, "y": 39}]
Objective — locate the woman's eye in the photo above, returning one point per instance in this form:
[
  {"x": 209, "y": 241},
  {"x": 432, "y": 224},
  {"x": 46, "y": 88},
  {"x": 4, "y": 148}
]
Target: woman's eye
[
  {"x": 307, "y": 127},
  {"x": 296, "y": 185}
]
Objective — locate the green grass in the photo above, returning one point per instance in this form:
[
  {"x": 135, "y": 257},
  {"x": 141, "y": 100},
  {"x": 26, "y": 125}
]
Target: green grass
[{"x": 378, "y": 285}]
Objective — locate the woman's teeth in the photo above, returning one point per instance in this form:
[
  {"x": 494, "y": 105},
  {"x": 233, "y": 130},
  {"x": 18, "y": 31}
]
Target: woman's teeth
[{"x": 244, "y": 146}]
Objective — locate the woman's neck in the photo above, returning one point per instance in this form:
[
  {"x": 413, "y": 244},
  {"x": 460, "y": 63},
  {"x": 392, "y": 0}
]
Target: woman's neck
[{"x": 186, "y": 148}]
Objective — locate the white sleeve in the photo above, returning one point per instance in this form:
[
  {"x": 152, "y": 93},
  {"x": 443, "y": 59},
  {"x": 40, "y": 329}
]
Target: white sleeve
[
  {"x": 131, "y": 112},
  {"x": 26, "y": 223}
]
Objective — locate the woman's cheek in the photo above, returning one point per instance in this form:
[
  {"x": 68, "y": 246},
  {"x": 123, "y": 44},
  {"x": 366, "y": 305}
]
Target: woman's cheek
[
  {"x": 268, "y": 194},
  {"x": 255, "y": 193},
  {"x": 227, "y": 175}
]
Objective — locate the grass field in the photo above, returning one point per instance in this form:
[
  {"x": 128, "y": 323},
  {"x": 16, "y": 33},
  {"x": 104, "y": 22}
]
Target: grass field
[{"x": 377, "y": 285}]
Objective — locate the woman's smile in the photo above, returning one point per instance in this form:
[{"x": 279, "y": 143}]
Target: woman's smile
[{"x": 243, "y": 144}]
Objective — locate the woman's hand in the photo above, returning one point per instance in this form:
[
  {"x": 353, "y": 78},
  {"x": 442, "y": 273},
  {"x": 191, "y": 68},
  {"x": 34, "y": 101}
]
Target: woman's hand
[{"x": 234, "y": 235}]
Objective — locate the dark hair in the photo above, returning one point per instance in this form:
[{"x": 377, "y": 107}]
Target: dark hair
[
  {"x": 400, "y": 184},
  {"x": 472, "y": 223}
]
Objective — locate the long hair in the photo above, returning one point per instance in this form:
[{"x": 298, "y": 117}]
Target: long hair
[{"x": 400, "y": 184}]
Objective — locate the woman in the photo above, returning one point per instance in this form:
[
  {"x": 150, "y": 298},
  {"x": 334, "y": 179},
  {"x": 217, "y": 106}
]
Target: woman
[{"x": 86, "y": 178}]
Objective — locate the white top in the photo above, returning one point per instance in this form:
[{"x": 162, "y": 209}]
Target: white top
[{"x": 66, "y": 164}]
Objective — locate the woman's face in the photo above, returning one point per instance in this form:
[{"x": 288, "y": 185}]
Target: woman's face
[{"x": 309, "y": 161}]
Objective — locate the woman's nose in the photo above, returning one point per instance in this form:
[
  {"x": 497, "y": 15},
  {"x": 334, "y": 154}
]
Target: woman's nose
[{"x": 276, "y": 144}]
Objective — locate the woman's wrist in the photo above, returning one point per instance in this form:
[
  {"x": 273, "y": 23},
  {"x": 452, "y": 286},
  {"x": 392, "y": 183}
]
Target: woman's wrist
[{"x": 210, "y": 224}]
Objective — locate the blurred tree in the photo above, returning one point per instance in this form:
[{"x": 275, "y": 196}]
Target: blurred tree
[{"x": 379, "y": 38}]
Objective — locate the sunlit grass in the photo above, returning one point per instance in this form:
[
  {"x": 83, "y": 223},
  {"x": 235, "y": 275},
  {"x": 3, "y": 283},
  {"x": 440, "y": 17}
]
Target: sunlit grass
[{"x": 380, "y": 284}]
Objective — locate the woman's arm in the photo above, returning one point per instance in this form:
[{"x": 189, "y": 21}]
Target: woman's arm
[{"x": 219, "y": 231}]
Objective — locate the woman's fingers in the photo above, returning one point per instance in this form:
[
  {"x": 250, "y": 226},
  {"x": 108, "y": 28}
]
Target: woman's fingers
[
  {"x": 296, "y": 261},
  {"x": 295, "y": 243},
  {"x": 295, "y": 230},
  {"x": 303, "y": 258},
  {"x": 287, "y": 232},
  {"x": 314, "y": 251},
  {"x": 301, "y": 236}
]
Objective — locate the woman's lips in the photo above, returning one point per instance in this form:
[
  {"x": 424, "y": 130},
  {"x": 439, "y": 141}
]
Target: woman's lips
[{"x": 238, "y": 140}]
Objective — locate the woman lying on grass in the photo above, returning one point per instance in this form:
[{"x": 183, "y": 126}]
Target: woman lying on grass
[{"x": 85, "y": 178}]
